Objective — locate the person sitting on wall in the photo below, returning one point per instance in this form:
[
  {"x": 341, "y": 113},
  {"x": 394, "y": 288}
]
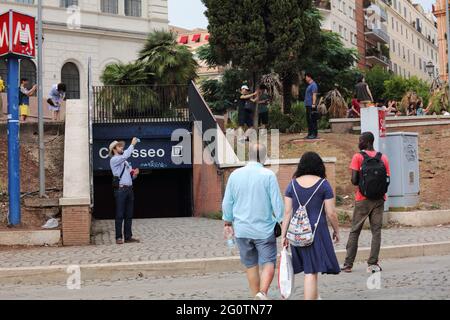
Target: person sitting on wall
[
  {"x": 411, "y": 110},
  {"x": 55, "y": 99},
  {"x": 355, "y": 111},
  {"x": 24, "y": 98}
]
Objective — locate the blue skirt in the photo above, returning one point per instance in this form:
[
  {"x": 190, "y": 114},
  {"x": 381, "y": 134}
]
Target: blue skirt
[{"x": 319, "y": 257}]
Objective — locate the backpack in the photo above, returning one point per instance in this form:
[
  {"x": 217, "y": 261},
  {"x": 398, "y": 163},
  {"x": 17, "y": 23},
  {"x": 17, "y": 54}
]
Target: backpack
[
  {"x": 300, "y": 232},
  {"x": 373, "y": 179}
]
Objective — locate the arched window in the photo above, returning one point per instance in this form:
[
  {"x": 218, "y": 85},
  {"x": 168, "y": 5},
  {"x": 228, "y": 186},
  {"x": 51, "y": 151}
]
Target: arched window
[
  {"x": 71, "y": 77},
  {"x": 28, "y": 71}
]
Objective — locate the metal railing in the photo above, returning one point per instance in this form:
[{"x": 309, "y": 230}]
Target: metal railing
[{"x": 141, "y": 103}]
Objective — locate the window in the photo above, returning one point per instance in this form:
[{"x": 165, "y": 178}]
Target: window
[
  {"x": 25, "y": 1},
  {"x": 395, "y": 4},
  {"x": 28, "y": 70},
  {"x": 414, "y": 60},
  {"x": 344, "y": 8},
  {"x": 409, "y": 60},
  {"x": 418, "y": 43},
  {"x": 404, "y": 12},
  {"x": 401, "y": 28},
  {"x": 420, "y": 63},
  {"x": 133, "y": 8},
  {"x": 340, "y": 31},
  {"x": 397, "y": 25},
  {"x": 399, "y": 53},
  {"x": 71, "y": 77},
  {"x": 395, "y": 68},
  {"x": 406, "y": 34},
  {"x": 110, "y": 6},
  {"x": 68, "y": 3},
  {"x": 392, "y": 19},
  {"x": 345, "y": 34},
  {"x": 393, "y": 45}
]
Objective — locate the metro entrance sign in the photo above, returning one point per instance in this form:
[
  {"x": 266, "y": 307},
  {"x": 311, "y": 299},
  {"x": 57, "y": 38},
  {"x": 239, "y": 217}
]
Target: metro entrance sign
[
  {"x": 17, "y": 35},
  {"x": 17, "y": 40}
]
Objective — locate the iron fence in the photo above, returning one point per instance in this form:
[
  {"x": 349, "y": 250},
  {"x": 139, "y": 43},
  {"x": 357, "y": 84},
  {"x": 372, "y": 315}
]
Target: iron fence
[{"x": 131, "y": 104}]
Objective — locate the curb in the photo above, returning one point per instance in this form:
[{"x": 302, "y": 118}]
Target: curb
[{"x": 120, "y": 271}]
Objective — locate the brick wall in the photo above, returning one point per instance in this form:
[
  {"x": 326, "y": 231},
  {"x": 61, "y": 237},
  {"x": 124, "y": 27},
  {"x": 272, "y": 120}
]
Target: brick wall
[
  {"x": 210, "y": 184},
  {"x": 76, "y": 225}
]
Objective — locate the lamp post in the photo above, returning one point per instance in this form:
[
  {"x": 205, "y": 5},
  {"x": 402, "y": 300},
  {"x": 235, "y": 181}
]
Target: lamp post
[
  {"x": 40, "y": 106},
  {"x": 430, "y": 69}
]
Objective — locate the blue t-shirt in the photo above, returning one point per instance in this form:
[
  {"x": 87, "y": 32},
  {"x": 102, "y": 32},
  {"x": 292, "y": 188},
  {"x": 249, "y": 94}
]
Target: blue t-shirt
[{"x": 310, "y": 90}]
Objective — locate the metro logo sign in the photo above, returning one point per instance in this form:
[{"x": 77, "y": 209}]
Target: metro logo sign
[{"x": 17, "y": 34}]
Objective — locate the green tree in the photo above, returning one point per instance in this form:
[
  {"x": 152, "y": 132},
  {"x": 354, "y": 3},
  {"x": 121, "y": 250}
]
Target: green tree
[
  {"x": 375, "y": 78},
  {"x": 166, "y": 60},
  {"x": 332, "y": 64},
  {"x": 261, "y": 36},
  {"x": 397, "y": 87}
]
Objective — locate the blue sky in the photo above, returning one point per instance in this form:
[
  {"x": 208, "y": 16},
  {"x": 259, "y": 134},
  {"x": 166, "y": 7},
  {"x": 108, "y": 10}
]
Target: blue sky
[{"x": 189, "y": 13}]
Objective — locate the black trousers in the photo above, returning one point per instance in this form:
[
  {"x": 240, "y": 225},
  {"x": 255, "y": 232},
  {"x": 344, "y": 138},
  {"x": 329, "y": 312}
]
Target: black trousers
[
  {"x": 312, "y": 122},
  {"x": 124, "y": 212}
]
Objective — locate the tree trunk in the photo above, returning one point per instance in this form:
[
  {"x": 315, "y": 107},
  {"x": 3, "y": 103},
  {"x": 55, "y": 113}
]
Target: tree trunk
[{"x": 287, "y": 93}]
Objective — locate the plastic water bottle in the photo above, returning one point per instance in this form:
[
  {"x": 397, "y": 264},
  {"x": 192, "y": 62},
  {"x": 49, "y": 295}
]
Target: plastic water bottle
[
  {"x": 138, "y": 140},
  {"x": 231, "y": 243}
]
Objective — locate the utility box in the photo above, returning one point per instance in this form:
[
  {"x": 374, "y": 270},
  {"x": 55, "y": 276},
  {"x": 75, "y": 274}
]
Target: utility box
[{"x": 402, "y": 148}]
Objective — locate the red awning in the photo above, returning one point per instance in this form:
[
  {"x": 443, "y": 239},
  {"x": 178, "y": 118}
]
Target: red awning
[
  {"x": 184, "y": 39},
  {"x": 207, "y": 37},
  {"x": 196, "y": 38}
]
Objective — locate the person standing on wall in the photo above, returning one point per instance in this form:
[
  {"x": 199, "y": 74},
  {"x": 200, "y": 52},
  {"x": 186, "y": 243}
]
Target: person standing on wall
[
  {"x": 245, "y": 112},
  {"x": 363, "y": 93},
  {"x": 55, "y": 98},
  {"x": 370, "y": 172},
  {"x": 312, "y": 114},
  {"x": 123, "y": 176},
  {"x": 24, "y": 98}
]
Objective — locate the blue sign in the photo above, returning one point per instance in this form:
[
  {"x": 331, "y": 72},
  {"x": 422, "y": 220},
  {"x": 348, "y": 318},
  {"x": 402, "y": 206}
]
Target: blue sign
[{"x": 149, "y": 154}]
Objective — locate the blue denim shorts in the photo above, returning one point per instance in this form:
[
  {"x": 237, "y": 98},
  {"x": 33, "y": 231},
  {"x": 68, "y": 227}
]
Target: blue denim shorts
[{"x": 257, "y": 252}]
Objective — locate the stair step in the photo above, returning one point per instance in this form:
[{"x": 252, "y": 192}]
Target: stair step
[{"x": 41, "y": 203}]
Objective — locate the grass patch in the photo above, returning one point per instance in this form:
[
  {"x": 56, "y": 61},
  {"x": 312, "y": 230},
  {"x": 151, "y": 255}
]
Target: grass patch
[
  {"x": 339, "y": 201},
  {"x": 213, "y": 215}
]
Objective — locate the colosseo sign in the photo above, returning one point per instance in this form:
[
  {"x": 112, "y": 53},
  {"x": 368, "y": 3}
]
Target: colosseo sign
[{"x": 150, "y": 154}]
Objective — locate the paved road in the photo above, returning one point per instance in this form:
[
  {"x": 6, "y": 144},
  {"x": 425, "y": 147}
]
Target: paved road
[
  {"x": 412, "y": 278},
  {"x": 181, "y": 238}
]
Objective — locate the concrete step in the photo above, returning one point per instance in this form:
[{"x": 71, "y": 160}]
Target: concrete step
[
  {"x": 29, "y": 237},
  {"x": 41, "y": 202}
]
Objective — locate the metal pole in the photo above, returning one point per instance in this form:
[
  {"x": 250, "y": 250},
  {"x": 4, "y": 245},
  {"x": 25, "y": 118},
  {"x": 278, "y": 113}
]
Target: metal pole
[
  {"x": 40, "y": 106},
  {"x": 447, "y": 20},
  {"x": 13, "y": 141}
]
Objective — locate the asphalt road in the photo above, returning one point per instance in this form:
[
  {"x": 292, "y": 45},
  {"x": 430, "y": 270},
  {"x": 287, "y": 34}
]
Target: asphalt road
[{"x": 412, "y": 278}]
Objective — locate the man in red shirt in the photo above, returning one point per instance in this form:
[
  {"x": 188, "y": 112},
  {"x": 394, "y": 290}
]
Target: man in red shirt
[{"x": 365, "y": 208}]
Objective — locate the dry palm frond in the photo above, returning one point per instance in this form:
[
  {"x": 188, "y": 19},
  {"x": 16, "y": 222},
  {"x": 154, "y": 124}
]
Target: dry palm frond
[
  {"x": 274, "y": 86},
  {"x": 408, "y": 99},
  {"x": 336, "y": 105}
]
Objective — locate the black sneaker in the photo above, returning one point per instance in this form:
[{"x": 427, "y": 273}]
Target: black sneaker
[{"x": 346, "y": 269}]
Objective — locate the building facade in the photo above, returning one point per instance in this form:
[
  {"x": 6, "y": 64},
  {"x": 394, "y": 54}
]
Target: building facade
[
  {"x": 107, "y": 31},
  {"x": 394, "y": 34},
  {"x": 339, "y": 17},
  {"x": 413, "y": 38},
  {"x": 441, "y": 21}
]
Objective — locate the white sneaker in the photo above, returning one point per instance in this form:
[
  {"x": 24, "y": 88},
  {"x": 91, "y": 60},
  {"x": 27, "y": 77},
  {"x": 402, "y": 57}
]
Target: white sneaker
[{"x": 261, "y": 296}]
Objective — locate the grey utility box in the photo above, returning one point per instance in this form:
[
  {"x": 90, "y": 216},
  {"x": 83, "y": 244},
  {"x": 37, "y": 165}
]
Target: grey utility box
[{"x": 402, "y": 148}]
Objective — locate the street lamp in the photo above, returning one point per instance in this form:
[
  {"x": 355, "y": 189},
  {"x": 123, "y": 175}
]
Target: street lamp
[{"x": 430, "y": 68}]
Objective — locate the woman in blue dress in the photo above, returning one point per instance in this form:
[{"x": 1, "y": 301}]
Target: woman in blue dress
[{"x": 310, "y": 184}]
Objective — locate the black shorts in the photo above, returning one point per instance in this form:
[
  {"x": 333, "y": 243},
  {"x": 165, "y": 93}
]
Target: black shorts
[
  {"x": 245, "y": 117},
  {"x": 264, "y": 118}
]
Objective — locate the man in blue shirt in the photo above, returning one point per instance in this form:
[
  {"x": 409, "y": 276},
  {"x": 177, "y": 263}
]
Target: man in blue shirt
[
  {"x": 124, "y": 193},
  {"x": 311, "y": 106},
  {"x": 252, "y": 206}
]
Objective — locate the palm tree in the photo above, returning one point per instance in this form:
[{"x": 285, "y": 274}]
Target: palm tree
[
  {"x": 169, "y": 62},
  {"x": 133, "y": 73}
]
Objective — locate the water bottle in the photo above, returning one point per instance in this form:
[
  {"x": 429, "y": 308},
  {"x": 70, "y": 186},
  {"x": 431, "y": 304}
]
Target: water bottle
[
  {"x": 231, "y": 243},
  {"x": 138, "y": 140}
]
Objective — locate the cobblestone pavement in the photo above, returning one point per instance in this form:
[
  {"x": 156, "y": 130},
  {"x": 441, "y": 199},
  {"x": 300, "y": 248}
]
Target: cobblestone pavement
[
  {"x": 179, "y": 238},
  {"x": 412, "y": 278}
]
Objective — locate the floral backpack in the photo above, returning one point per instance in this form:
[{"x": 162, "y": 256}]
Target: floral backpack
[{"x": 300, "y": 232}]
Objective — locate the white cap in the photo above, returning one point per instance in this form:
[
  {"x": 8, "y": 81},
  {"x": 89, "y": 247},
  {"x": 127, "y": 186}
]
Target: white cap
[{"x": 245, "y": 87}]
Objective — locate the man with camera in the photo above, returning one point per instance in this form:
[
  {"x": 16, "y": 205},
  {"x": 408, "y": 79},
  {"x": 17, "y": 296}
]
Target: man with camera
[{"x": 123, "y": 176}]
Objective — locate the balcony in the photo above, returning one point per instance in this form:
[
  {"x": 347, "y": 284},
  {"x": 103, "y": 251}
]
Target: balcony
[
  {"x": 376, "y": 11},
  {"x": 376, "y": 57},
  {"x": 322, "y": 4},
  {"x": 377, "y": 33}
]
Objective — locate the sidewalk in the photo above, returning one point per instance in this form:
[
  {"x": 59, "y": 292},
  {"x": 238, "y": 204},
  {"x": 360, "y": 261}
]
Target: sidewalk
[{"x": 180, "y": 239}]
